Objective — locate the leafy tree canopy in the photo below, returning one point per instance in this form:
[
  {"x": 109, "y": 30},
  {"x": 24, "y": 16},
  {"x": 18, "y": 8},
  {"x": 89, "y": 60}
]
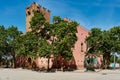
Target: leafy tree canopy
[{"x": 104, "y": 42}]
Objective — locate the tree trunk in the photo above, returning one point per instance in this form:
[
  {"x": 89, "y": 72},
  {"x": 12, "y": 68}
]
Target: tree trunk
[
  {"x": 48, "y": 68},
  {"x": 106, "y": 59},
  {"x": 14, "y": 59}
]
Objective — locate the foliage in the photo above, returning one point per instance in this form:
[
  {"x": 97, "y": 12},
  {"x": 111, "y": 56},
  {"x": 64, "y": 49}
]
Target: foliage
[
  {"x": 115, "y": 38},
  {"x": 3, "y": 37},
  {"x": 37, "y": 21},
  {"x": 94, "y": 40},
  {"x": 112, "y": 59},
  {"x": 118, "y": 60},
  {"x": 57, "y": 38},
  {"x": 27, "y": 45},
  {"x": 3, "y": 43},
  {"x": 12, "y": 34},
  {"x": 7, "y": 42},
  {"x": 65, "y": 33},
  {"x": 45, "y": 39},
  {"x": 104, "y": 42},
  {"x": 45, "y": 49}
]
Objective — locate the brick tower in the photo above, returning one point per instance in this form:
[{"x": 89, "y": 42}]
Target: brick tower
[{"x": 29, "y": 14}]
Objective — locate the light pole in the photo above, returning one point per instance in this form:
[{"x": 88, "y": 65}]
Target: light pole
[
  {"x": 115, "y": 54},
  {"x": 114, "y": 60}
]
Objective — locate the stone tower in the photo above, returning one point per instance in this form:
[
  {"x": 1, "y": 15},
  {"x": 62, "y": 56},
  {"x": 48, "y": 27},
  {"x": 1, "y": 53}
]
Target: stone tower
[{"x": 29, "y": 14}]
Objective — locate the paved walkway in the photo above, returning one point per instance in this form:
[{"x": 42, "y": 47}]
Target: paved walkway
[{"x": 22, "y": 74}]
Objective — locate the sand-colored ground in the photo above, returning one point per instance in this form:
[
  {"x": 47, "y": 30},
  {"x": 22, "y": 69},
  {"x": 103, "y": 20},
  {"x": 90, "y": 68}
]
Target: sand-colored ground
[{"x": 22, "y": 74}]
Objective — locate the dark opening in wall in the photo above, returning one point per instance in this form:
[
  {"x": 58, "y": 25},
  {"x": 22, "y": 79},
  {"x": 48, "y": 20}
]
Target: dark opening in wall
[
  {"x": 38, "y": 11},
  {"x": 81, "y": 47},
  {"x": 28, "y": 13}
]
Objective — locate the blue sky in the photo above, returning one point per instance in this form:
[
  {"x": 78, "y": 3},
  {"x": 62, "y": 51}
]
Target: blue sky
[{"x": 89, "y": 13}]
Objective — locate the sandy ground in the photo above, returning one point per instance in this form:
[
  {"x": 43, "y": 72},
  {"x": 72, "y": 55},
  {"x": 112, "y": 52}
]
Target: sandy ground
[{"x": 22, "y": 74}]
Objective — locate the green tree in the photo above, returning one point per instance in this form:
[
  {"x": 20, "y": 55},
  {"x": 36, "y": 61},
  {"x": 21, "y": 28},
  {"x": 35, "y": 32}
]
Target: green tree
[
  {"x": 104, "y": 42},
  {"x": 37, "y": 22},
  {"x": 99, "y": 43},
  {"x": 27, "y": 49},
  {"x": 42, "y": 31},
  {"x": 12, "y": 34},
  {"x": 115, "y": 38},
  {"x": 94, "y": 40},
  {"x": 27, "y": 45},
  {"x": 3, "y": 43},
  {"x": 3, "y": 36},
  {"x": 57, "y": 38},
  {"x": 45, "y": 50},
  {"x": 65, "y": 33}
]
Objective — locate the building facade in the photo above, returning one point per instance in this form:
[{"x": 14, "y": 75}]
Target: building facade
[{"x": 80, "y": 45}]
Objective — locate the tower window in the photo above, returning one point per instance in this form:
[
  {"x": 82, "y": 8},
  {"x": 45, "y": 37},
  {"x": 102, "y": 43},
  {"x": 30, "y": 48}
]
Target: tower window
[
  {"x": 38, "y": 11},
  {"x": 28, "y": 13},
  {"x": 38, "y": 7}
]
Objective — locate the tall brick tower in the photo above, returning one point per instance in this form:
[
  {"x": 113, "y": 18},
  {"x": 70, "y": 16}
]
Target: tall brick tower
[{"x": 29, "y": 14}]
